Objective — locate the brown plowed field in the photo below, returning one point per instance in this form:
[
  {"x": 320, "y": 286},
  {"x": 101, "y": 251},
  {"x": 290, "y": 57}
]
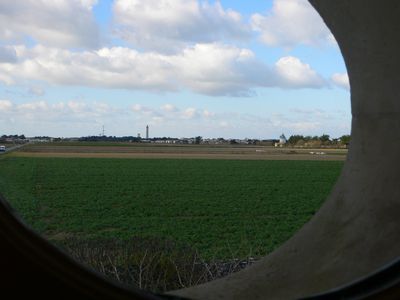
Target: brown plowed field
[{"x": 180, "y": 151}]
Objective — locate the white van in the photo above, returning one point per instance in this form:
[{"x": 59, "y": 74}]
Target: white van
[{"x": 2, "y": 148}]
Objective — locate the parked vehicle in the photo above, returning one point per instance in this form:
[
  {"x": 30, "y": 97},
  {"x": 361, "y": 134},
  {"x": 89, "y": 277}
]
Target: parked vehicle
[{"x": 2, "y": 148}]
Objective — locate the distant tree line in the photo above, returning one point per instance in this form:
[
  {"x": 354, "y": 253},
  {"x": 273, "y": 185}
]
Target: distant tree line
[
  {"x": 103, "y": 138},
  {"x": 317, "y": 141},
  {"x": 12, "y": 136}
]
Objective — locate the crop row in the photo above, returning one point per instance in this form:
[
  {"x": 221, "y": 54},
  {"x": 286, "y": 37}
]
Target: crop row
[{"x": 213, "y": 205}]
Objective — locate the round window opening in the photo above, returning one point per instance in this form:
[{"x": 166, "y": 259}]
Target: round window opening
[{"x": 166, "y": 144}]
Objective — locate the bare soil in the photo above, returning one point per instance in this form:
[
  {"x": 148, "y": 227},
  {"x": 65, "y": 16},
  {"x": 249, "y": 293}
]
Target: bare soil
[{"x": 182, "y": 152}]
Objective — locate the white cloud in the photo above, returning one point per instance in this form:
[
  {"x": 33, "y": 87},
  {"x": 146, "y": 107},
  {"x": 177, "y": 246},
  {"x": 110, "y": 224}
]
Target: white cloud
[
  {"x": 5, "y": 105},
  {"x": 102, "y": 108},
  {"x": 68, "y": 118},
  {"x": 166, "y": 25},
  {"x": 169, "y": 112},
  {"x": 291, "y": 22},
  {"x": 76, "y": 107},
  {"x": 341, "y": 80},
  {"x": 311, "y": 113},
  {"x": 7, "y": 80},
  {"x": 190, "y": 113},
  {"x": 61, "y": 23},
  {"x": 72, "y": 109},
  {"x": 108, "y": 67},
  {"x": 211, "y": 69},
  {"x": 208, "y": 114},
  {"x": 303, "y": 126},
  {"x": 216, "y": 69},
  {"x": 224, "y": 124},
  {"x": 295, "y": 74},
  {"x": 138, "y": 108},
  {"x": 33, "y": 106},
  {"x": 169, "y": 108}
]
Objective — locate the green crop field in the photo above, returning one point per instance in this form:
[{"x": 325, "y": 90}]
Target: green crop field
[{"x": 220, "y": 207}]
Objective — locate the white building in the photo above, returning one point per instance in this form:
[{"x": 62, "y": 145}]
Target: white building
[{"x": 282, "y": 141}]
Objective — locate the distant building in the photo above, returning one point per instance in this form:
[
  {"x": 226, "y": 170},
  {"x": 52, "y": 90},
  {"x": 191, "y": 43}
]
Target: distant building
[
  {"x": 270, "y": 142},
  {"x": 282, "y": 141}
]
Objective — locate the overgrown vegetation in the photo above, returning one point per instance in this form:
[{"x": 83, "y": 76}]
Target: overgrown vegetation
[{"x": 157, "y": 265}]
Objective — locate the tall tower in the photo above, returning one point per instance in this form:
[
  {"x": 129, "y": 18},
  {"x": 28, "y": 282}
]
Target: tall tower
[{"x": 147, "y": 132}]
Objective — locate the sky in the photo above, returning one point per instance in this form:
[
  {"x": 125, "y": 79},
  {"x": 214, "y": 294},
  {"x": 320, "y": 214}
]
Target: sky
[{"x": 184, "y": 67}]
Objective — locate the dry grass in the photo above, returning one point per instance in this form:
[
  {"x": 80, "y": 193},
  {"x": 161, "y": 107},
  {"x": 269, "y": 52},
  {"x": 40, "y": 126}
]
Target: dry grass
[{"x": 151, "y": 264}]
